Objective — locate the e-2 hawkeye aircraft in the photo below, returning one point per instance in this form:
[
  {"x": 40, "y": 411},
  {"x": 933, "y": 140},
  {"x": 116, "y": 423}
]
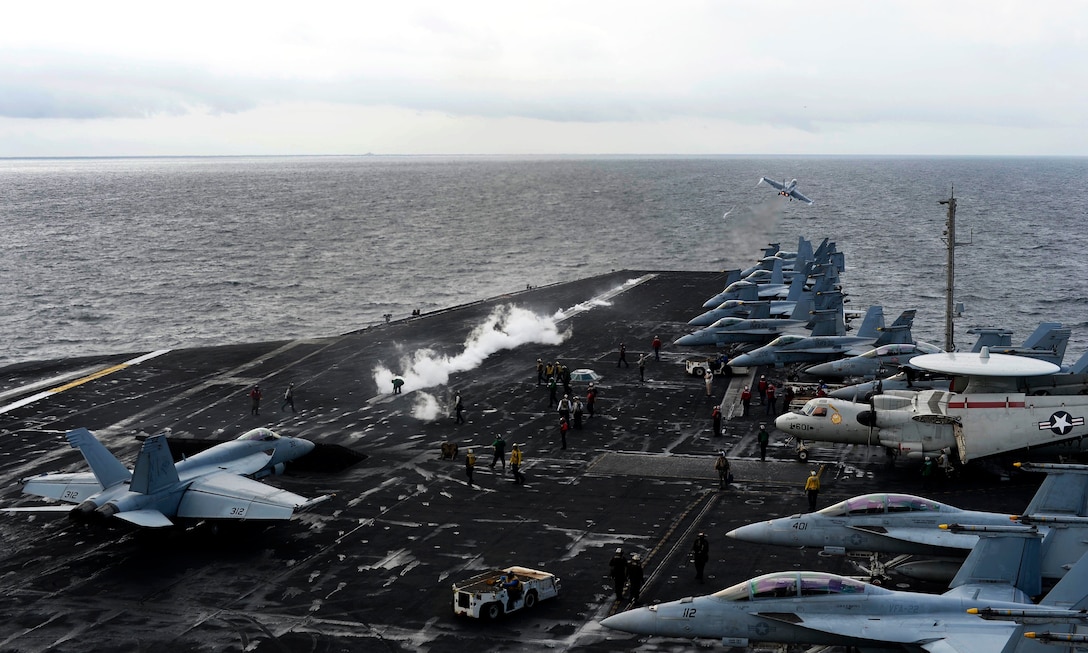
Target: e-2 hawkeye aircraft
[
  {"x": 977, "y": 615},
  {"x": 990, "y": 415},
  {"x": 909, "y": 527},
  {"x": 215, "y": 484}
]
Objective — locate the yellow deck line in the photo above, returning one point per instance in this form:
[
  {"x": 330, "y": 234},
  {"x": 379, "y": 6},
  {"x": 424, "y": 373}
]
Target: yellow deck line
[{"x": 80, "y": 381}]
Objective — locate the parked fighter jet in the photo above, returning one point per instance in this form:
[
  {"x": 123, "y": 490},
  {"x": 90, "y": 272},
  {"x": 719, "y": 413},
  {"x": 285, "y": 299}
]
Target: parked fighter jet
[
  {"x": 758, "y": 327},
  {"x": 761, "y": 284},
  {"x": 789, "y": 349},
  {"x": 910, "y": 526},
  {"x": 824, "y": 279},
  {"x": 875, "y": 363},
  {"x": 817, "y": 608},
  {"x": 986, "y": 416},
  {"x": 213, "y": 484},
  {"x": 785, "y": 189},
  {"x": 1047, "y": 342}
]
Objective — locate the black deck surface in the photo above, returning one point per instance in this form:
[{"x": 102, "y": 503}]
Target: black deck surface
[{"x": 371, "y": 569}]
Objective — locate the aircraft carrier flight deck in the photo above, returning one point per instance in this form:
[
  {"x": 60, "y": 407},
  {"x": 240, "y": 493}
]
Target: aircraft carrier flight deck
[{"x": 371, "y": 568}]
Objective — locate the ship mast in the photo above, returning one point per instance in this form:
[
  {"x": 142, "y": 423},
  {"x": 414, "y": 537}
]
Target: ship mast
[{"x": 950, "y": 241}]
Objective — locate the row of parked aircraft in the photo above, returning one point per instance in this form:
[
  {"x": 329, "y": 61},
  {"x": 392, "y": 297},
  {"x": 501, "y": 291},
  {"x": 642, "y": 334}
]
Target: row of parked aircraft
[
  {"x": 990, "y": 604},
  {"x": 915, "y": 400}
]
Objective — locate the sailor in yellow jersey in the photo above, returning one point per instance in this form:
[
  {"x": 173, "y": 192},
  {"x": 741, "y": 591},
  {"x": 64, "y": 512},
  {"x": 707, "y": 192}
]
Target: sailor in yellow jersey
[{"x": 515, "y": 464}]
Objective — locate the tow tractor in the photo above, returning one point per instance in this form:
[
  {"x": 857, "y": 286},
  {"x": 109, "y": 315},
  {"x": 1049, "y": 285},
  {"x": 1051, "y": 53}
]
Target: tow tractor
[
  {"x": 489, "y": 596},
  {"x": 703, "y": 366}
]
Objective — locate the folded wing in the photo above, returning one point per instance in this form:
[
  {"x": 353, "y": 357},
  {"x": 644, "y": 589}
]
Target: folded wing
[{"x": 229, "y": 496}]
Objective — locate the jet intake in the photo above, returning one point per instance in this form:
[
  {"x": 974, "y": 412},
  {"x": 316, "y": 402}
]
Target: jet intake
[{"x": 274, "y": 470}]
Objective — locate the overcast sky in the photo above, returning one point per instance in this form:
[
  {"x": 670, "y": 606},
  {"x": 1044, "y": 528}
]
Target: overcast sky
[{"x": 579, "y": 77}]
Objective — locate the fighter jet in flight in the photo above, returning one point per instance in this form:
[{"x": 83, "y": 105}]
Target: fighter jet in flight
[
  {"x": 215, "y": 484},
  {"x": 813, "y": 608},
  {"x": 785, "y": 189}
]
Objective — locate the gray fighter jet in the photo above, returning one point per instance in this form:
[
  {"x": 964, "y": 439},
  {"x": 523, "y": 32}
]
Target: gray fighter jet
[
  {"x": 789, "y": 349},
  {"x": 797, "y": 607},
  {"x": 909, "y": 526},
  {"x": 216, "y": 484},
  {"x": 875, "y": 363},
  {"x": 785, "y": 189}
]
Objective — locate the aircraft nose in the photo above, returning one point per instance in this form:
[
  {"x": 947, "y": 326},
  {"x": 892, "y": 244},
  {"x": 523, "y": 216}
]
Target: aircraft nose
[
  {"x": 639, "y": 621},
  {"x": 305, "y": 446},
  {"x": 689, "y": 340},
  {"x": 751, "y": 533},
  {"x": 706, "y": 319},
  {"x": 744, "y": 360},
  {"x": 783, "y": 421},
  {"x": 823, "y": 369}
]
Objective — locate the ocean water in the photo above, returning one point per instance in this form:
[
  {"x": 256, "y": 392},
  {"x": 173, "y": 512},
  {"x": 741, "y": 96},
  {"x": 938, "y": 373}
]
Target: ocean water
[{"x": 129, "y": 255}]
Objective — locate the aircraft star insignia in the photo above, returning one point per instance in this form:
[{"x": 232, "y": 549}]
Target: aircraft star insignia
[{"x": 1061, "y": 423}]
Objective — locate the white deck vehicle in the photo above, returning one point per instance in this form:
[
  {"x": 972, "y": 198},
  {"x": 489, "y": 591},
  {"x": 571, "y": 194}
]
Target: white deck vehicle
[{"x": 484, "y": 596}]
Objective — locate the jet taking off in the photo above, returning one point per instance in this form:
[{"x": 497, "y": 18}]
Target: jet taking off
[
  {"x": 785, "y": 189},
  {"x": 801, "y": 607},
  {"x": 909, "y": 526},
  {"x": 216, "y": 484}
]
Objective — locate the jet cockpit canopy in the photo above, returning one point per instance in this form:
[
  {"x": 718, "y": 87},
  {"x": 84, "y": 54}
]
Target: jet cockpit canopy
[
  {"x": 793, "y": 584},
  {"x": 259, "y": 435},
  {"x": 876, "y": 504}
]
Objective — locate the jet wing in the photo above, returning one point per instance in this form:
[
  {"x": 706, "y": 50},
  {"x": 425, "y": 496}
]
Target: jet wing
[
  {"x": 973, "y": 641},
  {"x": 70, "y": 488},
  {"x": 957, "y": 634},
  {"x": 927, "y": 536},
  {"x": 798, "y": 196},
  {"x": 777, "y": 185},
  {"x": 224, "y": 495}
]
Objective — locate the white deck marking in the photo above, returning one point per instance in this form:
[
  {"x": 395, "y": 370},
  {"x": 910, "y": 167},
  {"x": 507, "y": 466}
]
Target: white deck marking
[{"x": 80, "y": 381}]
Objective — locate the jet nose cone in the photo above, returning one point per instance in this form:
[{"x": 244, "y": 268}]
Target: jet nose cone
[
  {"x": 749, "y": 533},
  {"x": 706, "y": 319},
  {"x": 689, "y": 340},
  {"x": 823, "y": 369},
  {"x": 783, "y": 421},
  {"x": 744, "y": 360},
  {"x": 639, "y": 621},
  {"x": 305, "y": 447}
]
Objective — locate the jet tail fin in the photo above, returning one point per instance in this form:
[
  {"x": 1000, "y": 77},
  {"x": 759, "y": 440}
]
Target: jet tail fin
[
  {"x": 777, "y": 277},
  {"x": 873, "y": 322},
  {"x": 899, "y": 332},
  {"x": 1063, "y": 492},
  {"x": 1081, "y": 366},
  {"x": 804, "y": 252},
  {"x": 826, "y": 318},
  {"x": 1041, "y": 333},
  {"x": 1069, "y": 592},
  {"x": 991, "y": 337},
  {"x": 108, "y": 471},
  {"x": 1056, "y": 340},
  {"x": 154, "y": 469},
  {"x": 1009, "y": 557}
]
